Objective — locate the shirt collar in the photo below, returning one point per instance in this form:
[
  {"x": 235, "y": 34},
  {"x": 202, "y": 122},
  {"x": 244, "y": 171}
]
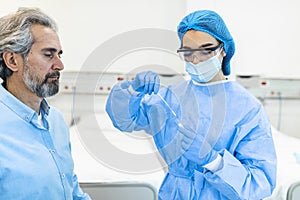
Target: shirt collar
[{"x": 19, "y": 107}]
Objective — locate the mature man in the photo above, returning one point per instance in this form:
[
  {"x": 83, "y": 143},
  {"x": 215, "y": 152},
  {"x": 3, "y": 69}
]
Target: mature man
[{"x": 35, "y": 158}]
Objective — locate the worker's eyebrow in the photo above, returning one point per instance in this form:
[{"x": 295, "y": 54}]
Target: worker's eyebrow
[
  {"x": 206, "y": 45},
  {"x": 201, "y": 46}
]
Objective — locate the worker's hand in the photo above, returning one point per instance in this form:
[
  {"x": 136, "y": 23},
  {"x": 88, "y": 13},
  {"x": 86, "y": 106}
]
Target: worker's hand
[
  {"x": 195, "y": 148},
  {"x": 147, "y": 82}
]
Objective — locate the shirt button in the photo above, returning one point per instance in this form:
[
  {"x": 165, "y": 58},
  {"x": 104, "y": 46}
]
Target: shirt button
[
  {"x": 63, "y": 175},
  {"x": 52, "y": 151}
]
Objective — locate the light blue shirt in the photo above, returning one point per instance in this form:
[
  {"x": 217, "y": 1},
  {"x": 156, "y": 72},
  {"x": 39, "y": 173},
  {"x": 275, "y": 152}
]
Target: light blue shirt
[{"x": 35, "y": 159}]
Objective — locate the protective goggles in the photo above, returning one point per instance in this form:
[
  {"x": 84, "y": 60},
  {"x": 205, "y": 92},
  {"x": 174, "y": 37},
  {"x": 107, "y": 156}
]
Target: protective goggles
[{"x": 202, "y": 54}]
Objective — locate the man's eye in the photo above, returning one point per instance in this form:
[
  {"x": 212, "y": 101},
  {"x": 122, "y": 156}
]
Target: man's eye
[{"x": 48, "y": 55}]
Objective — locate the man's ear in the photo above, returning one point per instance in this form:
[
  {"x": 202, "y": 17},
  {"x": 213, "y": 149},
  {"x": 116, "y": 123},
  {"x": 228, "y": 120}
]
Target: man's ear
[{"x": 11, "y": 60}]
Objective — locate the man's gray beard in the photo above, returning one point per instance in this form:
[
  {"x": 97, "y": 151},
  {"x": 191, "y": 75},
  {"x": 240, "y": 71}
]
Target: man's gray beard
[{"x": 41, "y": 87}]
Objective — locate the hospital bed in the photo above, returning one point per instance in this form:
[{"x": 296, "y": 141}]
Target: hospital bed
[
  {"x": 104, "y": 181},
  {"x": 288, "y": 167}
]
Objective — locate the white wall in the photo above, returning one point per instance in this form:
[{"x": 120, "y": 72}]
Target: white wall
[
  {"x": 266, "y": 34},
  {"x": 84, "y": 25}
]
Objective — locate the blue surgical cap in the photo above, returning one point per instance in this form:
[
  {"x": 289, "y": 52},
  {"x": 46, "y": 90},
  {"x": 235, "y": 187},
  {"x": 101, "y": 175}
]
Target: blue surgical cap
[{"x": 211, "y": 23}]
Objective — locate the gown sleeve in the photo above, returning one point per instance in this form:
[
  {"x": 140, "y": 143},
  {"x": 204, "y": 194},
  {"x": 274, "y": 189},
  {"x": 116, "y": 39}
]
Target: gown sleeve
[
  {"x": 123, "y": 108},
  {"x": 252, "y": 174}
]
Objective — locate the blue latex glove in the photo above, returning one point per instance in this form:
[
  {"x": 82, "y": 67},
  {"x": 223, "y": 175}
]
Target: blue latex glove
[
  {"x": 147, "y": 82},
  {"x": 196, "y": 148}
]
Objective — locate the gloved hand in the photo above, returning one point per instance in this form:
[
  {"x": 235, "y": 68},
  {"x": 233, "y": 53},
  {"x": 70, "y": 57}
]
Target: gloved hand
[
  {"x": 146, "y": 82},
  {"x": 195, "y": 148}
]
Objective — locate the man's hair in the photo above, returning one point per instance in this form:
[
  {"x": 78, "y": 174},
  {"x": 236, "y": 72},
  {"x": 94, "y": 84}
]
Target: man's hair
[{"x": 15, "y": 34}]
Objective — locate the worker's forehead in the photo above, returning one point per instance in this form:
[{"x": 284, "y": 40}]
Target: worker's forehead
[{"x": 198, "y": 38}]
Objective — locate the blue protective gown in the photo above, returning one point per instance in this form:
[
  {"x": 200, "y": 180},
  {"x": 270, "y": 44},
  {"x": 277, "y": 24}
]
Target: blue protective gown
[{"x": 231, "y": 120}]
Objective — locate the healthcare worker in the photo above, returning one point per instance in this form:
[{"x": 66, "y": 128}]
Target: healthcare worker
[{"x": 215, "y": 136}]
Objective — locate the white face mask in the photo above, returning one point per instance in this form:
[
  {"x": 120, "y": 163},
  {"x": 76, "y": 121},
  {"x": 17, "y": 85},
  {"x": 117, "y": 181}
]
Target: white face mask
[{"x": 204, "y": 71}]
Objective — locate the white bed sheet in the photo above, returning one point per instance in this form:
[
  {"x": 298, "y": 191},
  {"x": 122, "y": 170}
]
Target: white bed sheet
[
  {"x": 89, "y": 169},
  {"x": 288, "y": 163}
]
